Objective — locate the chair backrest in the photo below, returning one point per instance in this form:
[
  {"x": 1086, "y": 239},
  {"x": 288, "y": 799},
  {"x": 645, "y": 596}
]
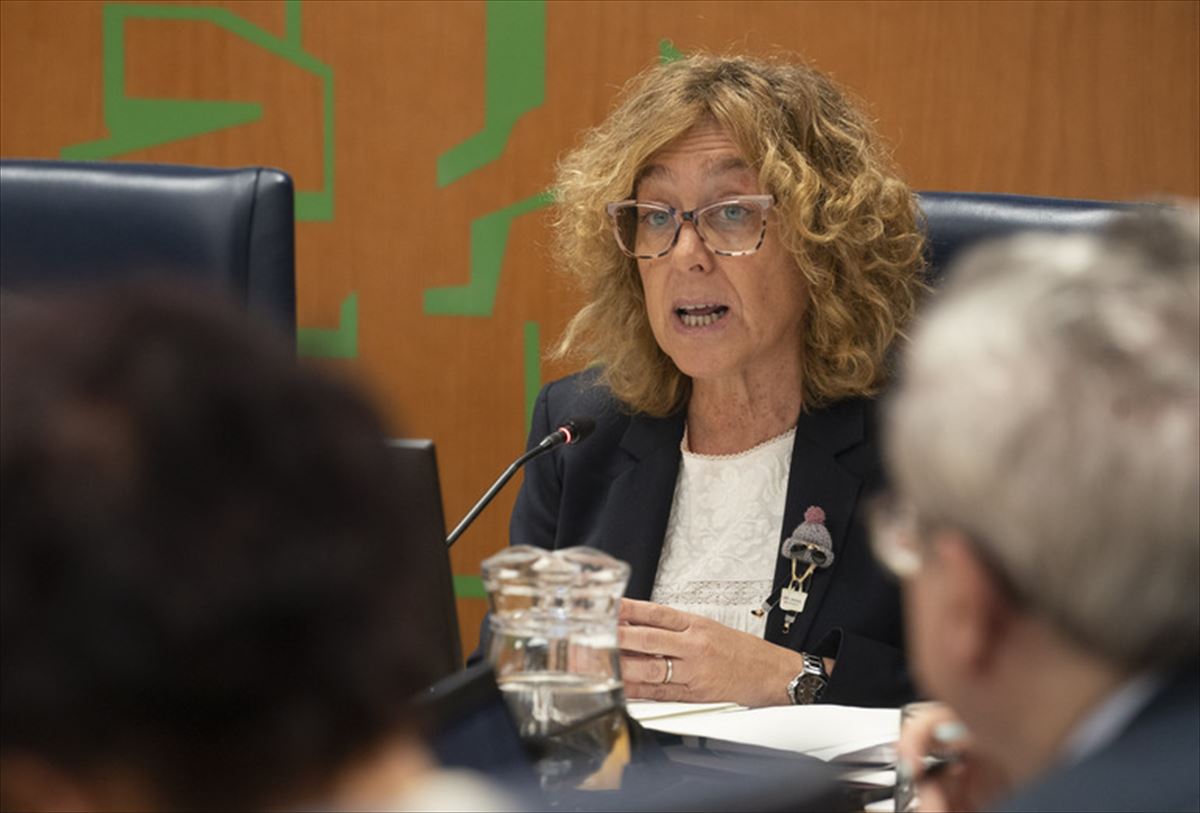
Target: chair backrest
[
  {"x": 69, "y": 224},
  {"x": 957, "y": 220}
]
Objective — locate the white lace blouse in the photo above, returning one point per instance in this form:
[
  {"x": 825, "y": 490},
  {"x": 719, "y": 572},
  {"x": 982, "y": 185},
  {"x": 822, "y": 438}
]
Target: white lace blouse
[{"x": 722, "y": 541}]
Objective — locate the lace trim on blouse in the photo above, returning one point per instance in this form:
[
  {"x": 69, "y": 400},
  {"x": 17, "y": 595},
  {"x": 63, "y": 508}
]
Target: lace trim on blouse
[
  {"x": 722, "y": 539},
  {"x": 683, "y": 447},
  {"x": 713, "y": 593}
]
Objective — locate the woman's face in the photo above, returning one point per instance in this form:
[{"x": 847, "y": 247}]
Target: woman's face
[{"x": 718, "y": 317}]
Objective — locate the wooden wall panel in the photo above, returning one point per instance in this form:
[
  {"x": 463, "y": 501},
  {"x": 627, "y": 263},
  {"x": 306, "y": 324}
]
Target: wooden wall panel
[{"x": 1054, "y": 98}]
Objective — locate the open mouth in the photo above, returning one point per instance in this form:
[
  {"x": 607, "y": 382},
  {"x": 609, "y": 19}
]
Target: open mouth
[{"x": 700, "y": 315}]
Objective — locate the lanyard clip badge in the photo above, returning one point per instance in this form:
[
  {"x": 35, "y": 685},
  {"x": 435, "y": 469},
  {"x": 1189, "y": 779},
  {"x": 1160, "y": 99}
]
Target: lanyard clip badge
[{"x": 810, "y": 544}]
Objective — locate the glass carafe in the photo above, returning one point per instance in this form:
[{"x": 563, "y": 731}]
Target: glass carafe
[{"x": 554, "y": 648}]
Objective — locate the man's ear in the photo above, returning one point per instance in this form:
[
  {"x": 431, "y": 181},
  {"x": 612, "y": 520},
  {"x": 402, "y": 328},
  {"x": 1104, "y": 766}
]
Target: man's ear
[
  {"x": 978, "y": 614},
  {"x": 31, "y": 783}
]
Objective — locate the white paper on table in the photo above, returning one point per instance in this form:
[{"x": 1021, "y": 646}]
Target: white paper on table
[
  {"x": 872, "y": 776},
  {"x": 643, "y": 710},
  {"x": 853, "y": 748},
  {"x": 822, "y": 731}
]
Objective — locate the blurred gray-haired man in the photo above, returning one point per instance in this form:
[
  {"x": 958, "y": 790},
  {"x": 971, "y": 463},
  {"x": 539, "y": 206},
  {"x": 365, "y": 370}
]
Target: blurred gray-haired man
[{"x": 1044, "y": 445}]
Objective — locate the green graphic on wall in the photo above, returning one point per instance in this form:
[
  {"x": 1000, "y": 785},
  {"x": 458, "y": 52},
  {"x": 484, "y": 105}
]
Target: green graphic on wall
[
  {"x": 469, "y": 586},
  {"x": 489, "y": 238},
  {"x": 136, "y": 124},
  {"x": 340, "y": 342},
  {"x": 515, "y": 83}
]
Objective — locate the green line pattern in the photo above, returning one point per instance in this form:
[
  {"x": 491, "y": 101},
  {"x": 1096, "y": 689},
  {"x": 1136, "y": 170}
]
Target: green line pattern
[
  {"x": 515, "y": 83},
  {"x": 469, "y": 587},
  {"x": 667, "y": 52},
  {"x": 340, "y": 342},
  {"x": 291, "y": 22},
  {"x": 136, "y": 124},
  {"x": 489, "y": 238}
]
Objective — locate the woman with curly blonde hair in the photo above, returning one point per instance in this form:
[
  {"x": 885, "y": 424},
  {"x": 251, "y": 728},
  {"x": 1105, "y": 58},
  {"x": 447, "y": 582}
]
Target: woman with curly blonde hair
[{"x": 748, "y": 258}]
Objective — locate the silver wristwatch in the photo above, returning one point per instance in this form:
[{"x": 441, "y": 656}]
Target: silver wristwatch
[{"x": 807, "y": 686}]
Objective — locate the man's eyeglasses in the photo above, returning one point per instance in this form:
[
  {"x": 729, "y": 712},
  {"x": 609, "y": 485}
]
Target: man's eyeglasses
[
  {"x": 896, "y": 540},
  {"x": 731, "y": 228}
]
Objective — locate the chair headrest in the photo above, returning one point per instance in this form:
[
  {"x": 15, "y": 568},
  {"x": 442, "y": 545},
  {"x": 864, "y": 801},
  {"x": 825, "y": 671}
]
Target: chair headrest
[{"x": 957, "y": 220}]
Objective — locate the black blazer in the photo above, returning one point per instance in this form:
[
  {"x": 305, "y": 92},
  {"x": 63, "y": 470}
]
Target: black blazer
[{"x": 614, "y": 492}]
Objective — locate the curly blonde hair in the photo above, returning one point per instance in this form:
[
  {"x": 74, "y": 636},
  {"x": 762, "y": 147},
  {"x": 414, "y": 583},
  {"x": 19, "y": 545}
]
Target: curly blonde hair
[{"x": 851, "y": 225}]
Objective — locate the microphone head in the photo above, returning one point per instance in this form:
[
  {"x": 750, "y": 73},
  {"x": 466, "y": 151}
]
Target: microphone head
[{"x": 576, "y": 429}]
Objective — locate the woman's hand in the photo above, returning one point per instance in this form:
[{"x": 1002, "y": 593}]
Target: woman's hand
[
  {"x": 968, "y": 782},
  {"x": 709, "y": 661}
]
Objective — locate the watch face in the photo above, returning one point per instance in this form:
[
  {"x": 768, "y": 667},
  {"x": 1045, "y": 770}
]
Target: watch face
[{"x": 809, "y": 687}]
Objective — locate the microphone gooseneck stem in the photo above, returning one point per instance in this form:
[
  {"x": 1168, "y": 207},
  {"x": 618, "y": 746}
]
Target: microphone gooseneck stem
[{"x": 495, "y": 489}]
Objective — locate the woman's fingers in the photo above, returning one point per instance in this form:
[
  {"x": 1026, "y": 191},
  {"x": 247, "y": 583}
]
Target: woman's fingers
[
  {"x": 649, "y": 614},
  {"x": 651, "y": 641},
  {"x": 654, "y": 629},
  {"x": 669, "y": 692},
  {"x": 711, "y": 662},
  {"x": 645, "y": 669}
]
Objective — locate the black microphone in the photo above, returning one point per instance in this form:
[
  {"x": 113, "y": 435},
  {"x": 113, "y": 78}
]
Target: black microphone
[{"x": 568, "y": 433}]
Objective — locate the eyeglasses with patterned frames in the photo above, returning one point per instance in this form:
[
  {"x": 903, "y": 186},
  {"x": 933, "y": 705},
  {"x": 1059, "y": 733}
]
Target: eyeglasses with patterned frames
[{"x": 733, "y": 227}]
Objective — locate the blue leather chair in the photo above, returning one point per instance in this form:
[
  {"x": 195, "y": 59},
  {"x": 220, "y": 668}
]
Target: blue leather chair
[
  {"x": 70, "y": 224},
  {"x": 956, "y": 220}
]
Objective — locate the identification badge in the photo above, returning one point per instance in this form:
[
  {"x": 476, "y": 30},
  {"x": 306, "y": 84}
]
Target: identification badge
[
  {"x": 791, "y": 600},
  {"x": 810, "y": 544}
]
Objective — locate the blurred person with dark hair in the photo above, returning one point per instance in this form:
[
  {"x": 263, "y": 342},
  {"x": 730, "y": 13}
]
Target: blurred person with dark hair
[
  {"x": 207, "y": 599},
  {"x": 1045, "y": 450}
]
